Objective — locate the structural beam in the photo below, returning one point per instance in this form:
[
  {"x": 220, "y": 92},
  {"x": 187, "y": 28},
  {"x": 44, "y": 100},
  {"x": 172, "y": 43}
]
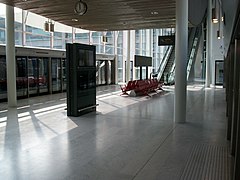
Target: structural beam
[
  {"x": 209, "y": 45},
  {"x": 128, "y": 56}
]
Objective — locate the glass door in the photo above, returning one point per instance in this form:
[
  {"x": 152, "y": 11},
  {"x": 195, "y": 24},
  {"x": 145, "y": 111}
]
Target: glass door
[
  {"x": 21, "y": 77},
  {"x": 56, "y": 74},
  {"x": 33, "y": 75},
  {"x": 219, "y": 66},
  {"x": 43, "y": 79},
  {"x": 3, "y": 78},
  {"x": 38, "y": 75},
  {"x": 64, "y": 78}
]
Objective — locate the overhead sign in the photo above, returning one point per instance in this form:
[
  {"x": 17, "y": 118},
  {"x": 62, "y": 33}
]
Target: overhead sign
[
  {"x": 142, "y": 61},
  {"x": 166, "y": 40}
]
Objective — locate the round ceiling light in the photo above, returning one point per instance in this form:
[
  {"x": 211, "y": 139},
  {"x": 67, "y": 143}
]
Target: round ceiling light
[
  {"x": 154, "y": 13},
  {"x": 80, "y": 8}
]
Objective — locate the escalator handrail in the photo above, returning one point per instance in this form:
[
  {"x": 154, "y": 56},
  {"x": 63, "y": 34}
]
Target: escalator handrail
[
  {"x": 193, "y": 52},
  {"x": 164, "y": 62}
]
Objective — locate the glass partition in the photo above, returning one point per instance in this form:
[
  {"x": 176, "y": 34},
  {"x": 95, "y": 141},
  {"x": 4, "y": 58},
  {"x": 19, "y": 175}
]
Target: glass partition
[
  {"x": 3, "y": 78},
  {"x": 64, "y": 78},
  {"x": 33, "y": 75},
  {"x": 43, "y": 79},
  {"x": 21, "y": 77},
  {"x": 56, "y": 74}
]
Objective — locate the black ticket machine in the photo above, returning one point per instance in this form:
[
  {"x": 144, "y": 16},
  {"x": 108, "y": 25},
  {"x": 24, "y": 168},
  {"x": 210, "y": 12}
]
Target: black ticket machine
[{"x": 81, "y": 79}]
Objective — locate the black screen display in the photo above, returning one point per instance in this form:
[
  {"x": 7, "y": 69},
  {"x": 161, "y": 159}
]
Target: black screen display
[{"x": 86, "y": 58}]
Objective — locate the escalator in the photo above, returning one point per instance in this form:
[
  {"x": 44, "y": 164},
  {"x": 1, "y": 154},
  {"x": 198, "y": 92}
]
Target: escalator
[
  {"x": 168, "y": 74},
  {"x": 169, "y": 65},
  {"x": 105, "y": 69}
]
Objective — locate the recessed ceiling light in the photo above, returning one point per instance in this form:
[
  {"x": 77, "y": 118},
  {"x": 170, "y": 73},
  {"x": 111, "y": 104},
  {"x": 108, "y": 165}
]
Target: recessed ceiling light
[
  {"x": 75, "y": 20},
  {"x": 154, "y": 12}
]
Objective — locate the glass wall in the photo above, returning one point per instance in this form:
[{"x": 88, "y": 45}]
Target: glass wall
[
  {"x": 96, "y": 39},
  {"x": 2, "y": 23},
  {"x": 119, "y": 36},
  {"x": 82, "y": 36},
  {"x": 109, "y": 46},
  {"x": 60, "y": 39},
  {"x": 18, "y": 26}
]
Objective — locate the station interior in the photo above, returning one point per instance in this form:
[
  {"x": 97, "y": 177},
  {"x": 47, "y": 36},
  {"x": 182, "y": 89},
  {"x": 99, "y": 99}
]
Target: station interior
[{"x": 119, "y": 89}]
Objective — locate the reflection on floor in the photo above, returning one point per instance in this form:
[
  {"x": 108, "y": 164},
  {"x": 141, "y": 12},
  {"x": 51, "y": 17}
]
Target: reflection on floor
[{"x": 127, "y": 138}]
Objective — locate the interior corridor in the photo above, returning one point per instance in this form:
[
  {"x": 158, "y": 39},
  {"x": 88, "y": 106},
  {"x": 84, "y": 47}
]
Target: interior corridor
[{"x": 127, "y": 138}]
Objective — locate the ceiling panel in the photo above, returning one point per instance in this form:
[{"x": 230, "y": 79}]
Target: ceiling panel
[{"x": 105, "y": 15}]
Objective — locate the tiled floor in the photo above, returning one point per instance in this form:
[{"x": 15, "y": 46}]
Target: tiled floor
[{"x": 127, "y": 138}]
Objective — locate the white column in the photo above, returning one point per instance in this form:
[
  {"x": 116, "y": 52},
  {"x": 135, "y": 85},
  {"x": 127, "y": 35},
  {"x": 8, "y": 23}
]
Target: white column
[
  {"x": 209, "y": 45},
  {"x": 10, "y": 53},
  {"x": 24, "y": 18},
  {"x": 73, "y": 35},
  {"x": 181, "y": 60},
  {"x": 133, "y": 48},
  {"x": 116, "y": 57},
  {"x": 128, "y": 56},
  {"x": 52, "y": 40}
]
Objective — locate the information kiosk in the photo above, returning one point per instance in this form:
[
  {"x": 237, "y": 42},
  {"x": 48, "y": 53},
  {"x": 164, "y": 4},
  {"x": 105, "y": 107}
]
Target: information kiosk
[{"x": 81, "y": 79}]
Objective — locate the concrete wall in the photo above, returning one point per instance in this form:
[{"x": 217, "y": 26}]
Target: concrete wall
[{"x": 196, "y": 11}]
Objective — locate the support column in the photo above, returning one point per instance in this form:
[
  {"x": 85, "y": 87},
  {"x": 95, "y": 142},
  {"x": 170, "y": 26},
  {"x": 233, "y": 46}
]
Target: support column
[
  {"x": 209, "y": 45},
  {"x": 10, "y": 54},
  {"x": 52, "y": 40},
  {"x": 24, "y": 20},
  {"x": 116, "y": 57},
  {"x": 128, "y": 56},
  {"x": 73, "y": 35},
  {"x": 181, "y": 60}
]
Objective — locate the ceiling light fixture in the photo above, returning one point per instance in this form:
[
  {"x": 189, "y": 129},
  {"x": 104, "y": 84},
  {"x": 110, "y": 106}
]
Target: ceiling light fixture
[
  {"x": 75, "y": 20},
  {"x": 49, "y": 26},
  {"x": 219, "y": 26},
  {"x": 214, "y": 16},
  {"x": 154, "y": 13},
  {"x": 46, "y": 26},
  {"x": 218, "y": 34},
  {"x": 80, "y": 8}
]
